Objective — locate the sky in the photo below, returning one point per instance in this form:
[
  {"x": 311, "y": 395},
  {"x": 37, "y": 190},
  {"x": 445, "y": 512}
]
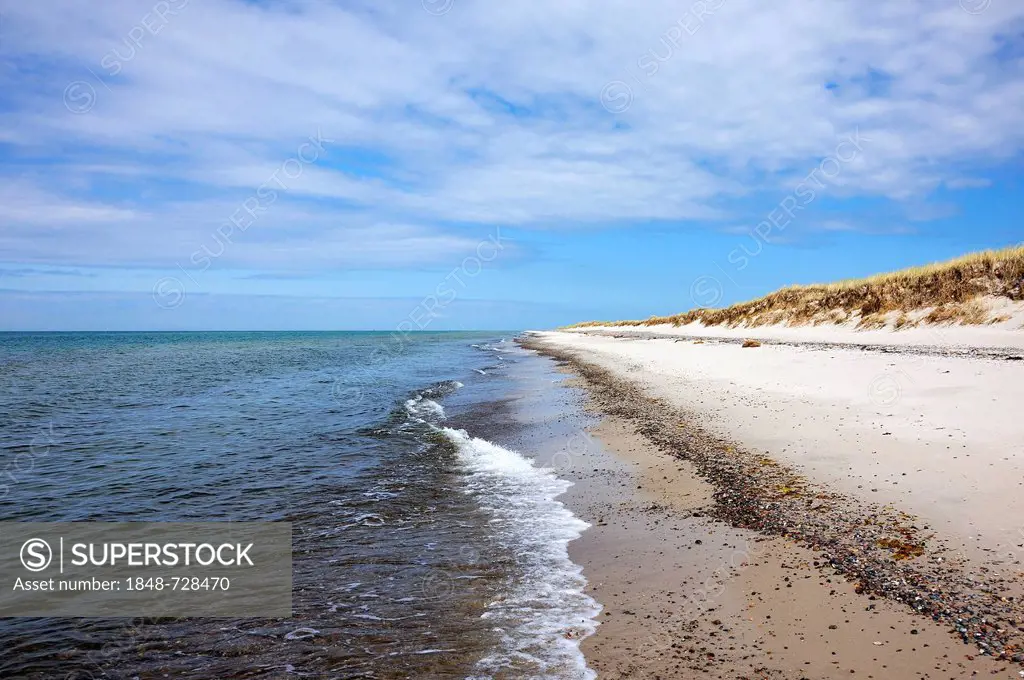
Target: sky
[{"x": 462, "y": 164}]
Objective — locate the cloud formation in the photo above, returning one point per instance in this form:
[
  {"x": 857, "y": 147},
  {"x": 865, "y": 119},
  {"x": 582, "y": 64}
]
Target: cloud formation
[{"x": 135, "y": 130}]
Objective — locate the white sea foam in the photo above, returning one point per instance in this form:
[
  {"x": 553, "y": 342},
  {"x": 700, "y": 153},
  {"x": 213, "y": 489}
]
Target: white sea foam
[
  {"x": 379, "y": 495},
  {"x": 545, "y": 613},
  {"x": 421, "y": 409}
]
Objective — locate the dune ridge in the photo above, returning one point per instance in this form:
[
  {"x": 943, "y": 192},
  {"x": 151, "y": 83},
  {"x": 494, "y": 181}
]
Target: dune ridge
[{"x": 979, "y": 288}]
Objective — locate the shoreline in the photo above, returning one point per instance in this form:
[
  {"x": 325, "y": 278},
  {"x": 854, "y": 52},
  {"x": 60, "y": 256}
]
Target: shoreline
[
  {"x": 822, "y": 553},
  {"x": 937, "y": 436}
]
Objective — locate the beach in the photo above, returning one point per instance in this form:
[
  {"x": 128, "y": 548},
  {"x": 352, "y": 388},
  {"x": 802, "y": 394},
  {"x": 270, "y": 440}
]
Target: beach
[
  {"x": 271, "y": 407},
  {"x": 565, "y": 505},
  {"x": 797, "y": 509}
]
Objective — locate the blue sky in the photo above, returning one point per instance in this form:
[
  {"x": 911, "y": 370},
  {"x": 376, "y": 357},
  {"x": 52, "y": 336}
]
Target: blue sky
[{"x": 220, "y": 164}]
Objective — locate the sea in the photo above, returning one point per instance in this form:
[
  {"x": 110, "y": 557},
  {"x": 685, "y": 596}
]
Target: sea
[{"x": 428, "y": 536}]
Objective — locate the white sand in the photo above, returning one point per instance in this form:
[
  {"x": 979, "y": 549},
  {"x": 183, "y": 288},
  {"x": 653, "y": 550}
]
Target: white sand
[{"x": 940, "y": 437}]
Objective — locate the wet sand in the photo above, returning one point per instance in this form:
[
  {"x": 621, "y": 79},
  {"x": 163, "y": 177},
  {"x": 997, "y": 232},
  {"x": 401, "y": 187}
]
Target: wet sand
[
  {"x": 685, "y": 594},
  {"x": 688, "y": 593}
]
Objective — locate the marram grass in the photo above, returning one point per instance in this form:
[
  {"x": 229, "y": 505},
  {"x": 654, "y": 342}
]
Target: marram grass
[{"x": 943, "y": 292}]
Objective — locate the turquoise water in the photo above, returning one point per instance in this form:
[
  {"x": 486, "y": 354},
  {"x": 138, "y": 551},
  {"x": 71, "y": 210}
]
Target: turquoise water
[{"x": 407, "y": 529}]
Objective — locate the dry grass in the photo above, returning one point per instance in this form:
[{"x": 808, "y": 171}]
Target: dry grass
[{"x": 951, "y": 289}]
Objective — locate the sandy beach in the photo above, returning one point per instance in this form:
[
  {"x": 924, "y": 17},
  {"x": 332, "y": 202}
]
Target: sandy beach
[
  {"x": 936, "y": 433},
  {"x": 798, "y": 510}
]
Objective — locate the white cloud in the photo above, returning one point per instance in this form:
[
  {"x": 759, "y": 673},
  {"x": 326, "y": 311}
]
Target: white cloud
[
  {"x": 491, "y": 113},
  {"x": 286, "y": 236},
  {"x": 23, "y": 203}
]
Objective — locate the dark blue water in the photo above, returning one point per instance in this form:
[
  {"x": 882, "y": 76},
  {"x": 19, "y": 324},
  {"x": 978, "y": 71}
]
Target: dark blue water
[{"x": 404, "y": 530}]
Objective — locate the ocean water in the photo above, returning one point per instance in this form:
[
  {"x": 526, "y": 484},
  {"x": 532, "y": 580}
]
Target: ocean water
[{"x": 422, "y": 549}]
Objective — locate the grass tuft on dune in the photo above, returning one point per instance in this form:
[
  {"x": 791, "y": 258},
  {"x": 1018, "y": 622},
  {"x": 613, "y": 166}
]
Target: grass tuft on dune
[{"x": 956, "y": 291}]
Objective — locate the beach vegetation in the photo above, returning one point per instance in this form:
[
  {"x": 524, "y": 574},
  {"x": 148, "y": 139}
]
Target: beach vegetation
[{"x": 958, "y": 291}]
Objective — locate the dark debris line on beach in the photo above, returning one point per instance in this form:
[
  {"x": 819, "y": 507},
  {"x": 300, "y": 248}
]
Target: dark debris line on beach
[{"x": 880, "y": 548}]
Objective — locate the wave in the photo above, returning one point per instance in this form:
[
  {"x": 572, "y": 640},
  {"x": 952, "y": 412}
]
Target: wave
[
  {"x": 422, "y": 410},
  {"x": 499, "y": 346},
  {"x": 544, "y": 614},
  {"x": 441, "y": 389}
]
